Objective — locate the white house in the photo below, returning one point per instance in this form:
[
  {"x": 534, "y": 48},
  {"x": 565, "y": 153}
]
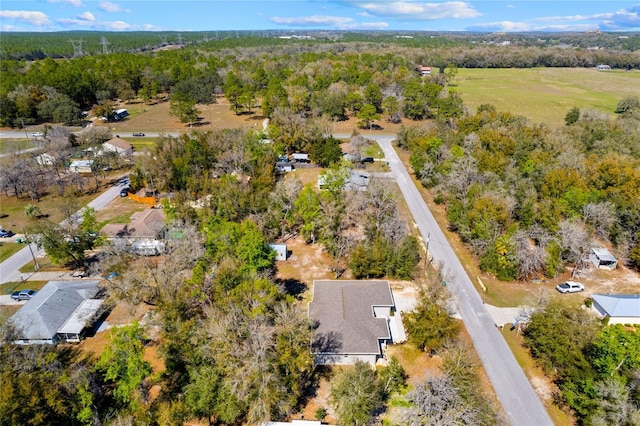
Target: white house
[
  {"x": 117, "y": 145},
  {"x": 602, "y": 258},
  {"x": 81, "y": 166},
  {"x": 352, "y": 320},
  {"x": 619, "y": 308},
  {"x": 59, "y": 312}
]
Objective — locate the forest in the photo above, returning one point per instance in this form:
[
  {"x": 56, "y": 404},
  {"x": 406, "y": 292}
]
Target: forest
[{"x": 235, "y": 341}]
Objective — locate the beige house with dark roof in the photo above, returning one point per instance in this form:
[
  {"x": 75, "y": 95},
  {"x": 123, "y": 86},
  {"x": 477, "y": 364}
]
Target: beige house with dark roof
[
  {"x": 118, "y": 145},
  {"x": 353, "y": 320},
  {"x": 146, "y": 224}
]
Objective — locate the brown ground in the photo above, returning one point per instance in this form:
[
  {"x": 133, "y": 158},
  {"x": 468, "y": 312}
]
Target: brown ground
[{"x": 156, "y": 118}]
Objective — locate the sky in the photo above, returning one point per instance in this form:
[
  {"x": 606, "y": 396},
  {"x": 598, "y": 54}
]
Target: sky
[{"x": 413, "y": 15}]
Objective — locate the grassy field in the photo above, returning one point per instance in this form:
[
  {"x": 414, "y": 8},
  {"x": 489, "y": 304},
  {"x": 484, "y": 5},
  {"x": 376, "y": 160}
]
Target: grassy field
[
  {"x": 8, "y": 249},
  {"x": 544, "y": 95}
]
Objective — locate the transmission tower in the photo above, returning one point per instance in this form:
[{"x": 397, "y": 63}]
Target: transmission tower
[
  {"x": 104, "y": 43},
  {"x": 163, "y": 40},
  {"x": 179, "y": 39},
  {"x": 77, "y": 47}
]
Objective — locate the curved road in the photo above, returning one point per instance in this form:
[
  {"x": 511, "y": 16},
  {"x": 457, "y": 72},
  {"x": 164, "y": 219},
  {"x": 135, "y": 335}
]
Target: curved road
[{"x": 512, "y": 387}]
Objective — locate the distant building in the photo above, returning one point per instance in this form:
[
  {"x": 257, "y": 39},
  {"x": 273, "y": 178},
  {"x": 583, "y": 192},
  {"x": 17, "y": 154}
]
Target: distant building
[
  {"x": 300, "y": 157},
  {"x": 81, "y": 166},
  {"x": 119, "y": 146},
  {"x": 425, "y": 70},
  {"x": 145, "y": 225}
]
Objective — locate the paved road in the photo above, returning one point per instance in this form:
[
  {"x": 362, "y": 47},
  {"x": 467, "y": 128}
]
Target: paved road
[
  {"x": 519, "y": 400},
  {"x": 9, "y": 269}
]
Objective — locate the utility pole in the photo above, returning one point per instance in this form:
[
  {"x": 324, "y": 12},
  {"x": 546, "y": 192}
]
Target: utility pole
[
  {"x": 77, "y": 47},
  {"x": 104, "y": 43}
]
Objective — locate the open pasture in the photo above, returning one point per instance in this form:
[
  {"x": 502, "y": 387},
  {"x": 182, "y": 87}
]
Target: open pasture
[{"x": 545, "y": 95}]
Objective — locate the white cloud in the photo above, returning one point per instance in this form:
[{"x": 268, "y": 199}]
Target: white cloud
[
  {"x": 87, "y": 16},
  {"x": 327, "y": 21},
  {"x": 34, "y": 18},
  {"x": 77, "y": 3},
  {"x": 418, "y": 10},
  {"x": 107, "y": 6},
  {"x": 116, "y": 26},
  {"x": 624, "y": 19},
  {"x": 510, "y": 26}
]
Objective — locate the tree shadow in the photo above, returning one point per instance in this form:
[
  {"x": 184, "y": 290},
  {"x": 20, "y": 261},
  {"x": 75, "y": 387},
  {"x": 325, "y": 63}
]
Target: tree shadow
[{"x": 292, "y": 287}]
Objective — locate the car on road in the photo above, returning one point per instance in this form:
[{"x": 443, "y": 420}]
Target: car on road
[
  {"x": 37, "y": 134},
  {"x": 124, "y": 192},
  {"x": 570, "y": 287},
  {"x": 23, "y": 294},
  {"x": 4, "y": 233},
  {"x": 138, "y": 134}
]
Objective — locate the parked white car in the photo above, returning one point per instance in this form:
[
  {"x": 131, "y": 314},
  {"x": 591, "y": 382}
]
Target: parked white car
[{"x": 570, "y": 287}]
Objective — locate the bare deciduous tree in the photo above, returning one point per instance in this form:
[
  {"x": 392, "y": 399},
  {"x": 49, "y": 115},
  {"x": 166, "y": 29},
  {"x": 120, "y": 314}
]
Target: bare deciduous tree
[{"x": 600, "y": 216}]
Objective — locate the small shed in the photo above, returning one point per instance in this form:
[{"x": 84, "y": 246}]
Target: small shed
[
  {"x": 602, "y": 258},
  {"x": 424, "y": 70},
  {"x": 81, "y": 166},
  {"x": 300, "y": 157},
  {"x": 281, "y": 251}
]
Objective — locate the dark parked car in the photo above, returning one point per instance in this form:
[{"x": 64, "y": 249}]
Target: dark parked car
[
  {"x": 4, "y": 233},
  {"x": 23, "y": 294},
  {"x": 367, "y": 160},
  {"x": 124, "y": 192},
  {"x": 138, "y": 134}
]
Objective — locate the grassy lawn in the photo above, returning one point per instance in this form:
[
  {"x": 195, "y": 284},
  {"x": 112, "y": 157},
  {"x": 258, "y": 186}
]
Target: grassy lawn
[
  {"x": 10, "y": 287},
  {"x": 45, "y": 266},
  {"x": 140, "y": 144},
  {"x": 12, "y": 209},
  {"x": 9, "y": 249},
  {"x": 546, "y": 94},
  {"x": 10, "y": 145}
]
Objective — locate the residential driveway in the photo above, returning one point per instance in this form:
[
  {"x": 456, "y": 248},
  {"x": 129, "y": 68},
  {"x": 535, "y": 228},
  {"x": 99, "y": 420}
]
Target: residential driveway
[{"x": 5, "y": 300}]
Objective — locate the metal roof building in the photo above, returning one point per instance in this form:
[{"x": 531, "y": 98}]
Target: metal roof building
[
  {"x": 60, "y": 311},
  {"x": 619, "y": 308}
]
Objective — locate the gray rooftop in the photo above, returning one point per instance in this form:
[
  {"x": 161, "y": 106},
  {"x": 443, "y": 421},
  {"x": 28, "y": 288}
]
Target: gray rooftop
[
  {"x": 604, "y": 254},
  {"x": 619, "y": 305},
  {"x": 41, "y": 317},
  {"x": 344, "y": 310}
]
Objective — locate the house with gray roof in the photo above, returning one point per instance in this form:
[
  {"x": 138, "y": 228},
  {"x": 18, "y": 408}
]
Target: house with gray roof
[
  {"x": 352, "y": 320},
  {"x": 619, "y": 308},
  {"x": 59, "y": 312}
]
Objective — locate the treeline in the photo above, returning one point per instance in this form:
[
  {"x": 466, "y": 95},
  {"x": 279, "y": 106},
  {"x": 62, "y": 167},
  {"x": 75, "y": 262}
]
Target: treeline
[
  {"x": 596, "y": 368},
  {"x": 67, "y": 44},
  {"x": 333, "y": 79},
  {"x": 528, "y": 200}
]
